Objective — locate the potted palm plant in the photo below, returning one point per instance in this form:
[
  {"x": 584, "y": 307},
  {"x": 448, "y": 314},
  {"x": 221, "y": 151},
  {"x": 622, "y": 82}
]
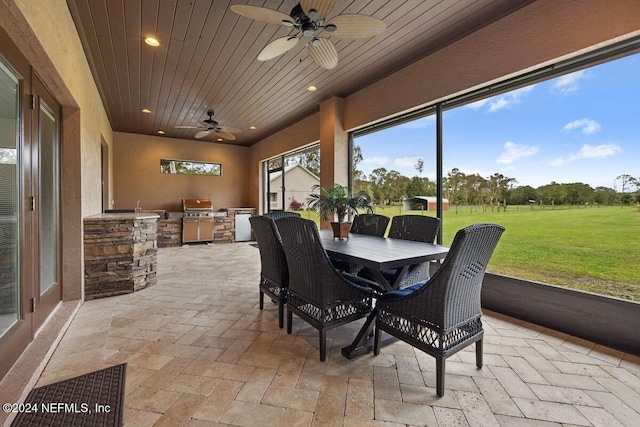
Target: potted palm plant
[{"x": 337, "y": 202}]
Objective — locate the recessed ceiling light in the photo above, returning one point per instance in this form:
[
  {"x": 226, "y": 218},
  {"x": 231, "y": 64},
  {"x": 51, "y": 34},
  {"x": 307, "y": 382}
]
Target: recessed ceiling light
[
  {"x": 312, "y": 88},
  {"x": 146, "y": 111},
  {"x": 219, "y": 139},
  {"x": 152, "y": 41},
  {"x": 161, "y": 132},
  {"x": 252, "y": 127}
]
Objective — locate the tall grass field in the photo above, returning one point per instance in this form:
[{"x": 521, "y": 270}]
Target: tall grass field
[{"x": 596, "y": 249}]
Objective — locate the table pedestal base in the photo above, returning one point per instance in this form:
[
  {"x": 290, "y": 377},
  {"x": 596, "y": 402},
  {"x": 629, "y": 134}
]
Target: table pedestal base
[{"x": 364, "y": 341}]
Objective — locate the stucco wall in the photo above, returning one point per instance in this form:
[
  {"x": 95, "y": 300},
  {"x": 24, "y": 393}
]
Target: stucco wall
[
  {"x": 136, "y": 169},
  {"x": 45, "y": 33}
]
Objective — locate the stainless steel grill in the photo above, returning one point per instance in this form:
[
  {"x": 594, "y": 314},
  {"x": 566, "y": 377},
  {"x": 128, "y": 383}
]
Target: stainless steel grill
[{"x": 197, "y": 221}]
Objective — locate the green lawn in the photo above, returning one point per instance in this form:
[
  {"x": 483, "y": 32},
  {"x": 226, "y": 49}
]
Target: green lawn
[{"x": 593, "y": 249}]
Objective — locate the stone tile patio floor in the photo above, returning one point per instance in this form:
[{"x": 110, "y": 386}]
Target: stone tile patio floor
[{"x": 199, "y": 352}]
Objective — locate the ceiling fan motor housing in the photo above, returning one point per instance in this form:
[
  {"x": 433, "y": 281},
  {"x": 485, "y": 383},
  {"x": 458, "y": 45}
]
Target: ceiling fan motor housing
[
  {"x": 210, "y": 120},
  {"x": 306, "y": 24}
]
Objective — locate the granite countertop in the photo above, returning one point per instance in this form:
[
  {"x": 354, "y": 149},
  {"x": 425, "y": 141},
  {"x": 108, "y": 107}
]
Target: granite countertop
[{"x": 121, "y": 216}]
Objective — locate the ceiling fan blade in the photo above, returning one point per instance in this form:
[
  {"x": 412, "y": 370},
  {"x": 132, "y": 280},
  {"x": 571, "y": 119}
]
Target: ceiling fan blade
[
  {"x": 325, "y": 54},
  {"x": 353, "y": 26},
  {"x": 229, "y": 129},
  {"x": 261, "y": 14},
  {"x": 226, "y": 135},
  {"x": 277, "y": 47},
  {"x": 323, "y": 7},
  {"x": 187, "y": 127},
  {"x": 202, "y": 134}
]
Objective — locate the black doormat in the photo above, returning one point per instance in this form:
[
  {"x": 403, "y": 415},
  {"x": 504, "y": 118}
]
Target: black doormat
[{"x": 93, "y": 399}]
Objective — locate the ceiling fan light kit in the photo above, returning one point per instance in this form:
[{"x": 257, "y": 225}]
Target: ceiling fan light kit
[{"x": 308, "y": 19}]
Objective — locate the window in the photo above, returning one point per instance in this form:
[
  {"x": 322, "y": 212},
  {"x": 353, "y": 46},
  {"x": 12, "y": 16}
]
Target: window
[
  {"x": 554, "y": 161},
  {"x": 288, "y": 179}
]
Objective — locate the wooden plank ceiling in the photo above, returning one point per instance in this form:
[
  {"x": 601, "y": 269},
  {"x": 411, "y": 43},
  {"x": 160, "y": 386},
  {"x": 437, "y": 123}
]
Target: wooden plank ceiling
[{"x": 207, "y": 59}]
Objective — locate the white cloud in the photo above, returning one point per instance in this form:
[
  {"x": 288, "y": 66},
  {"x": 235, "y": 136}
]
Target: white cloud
[
  {"x": 508, "y": 100},
  {"x": 596, "y": 152},
  {"x": 513, "y": 152},
  {"x": 588, "y": 152},
  {"x": 377, "y": 161},
  {"x": 405, "y": 162},
  {"x": 569, "y": 82},
  {"x": 499, "y": 102},
  {"x": 587, "y": 126}
]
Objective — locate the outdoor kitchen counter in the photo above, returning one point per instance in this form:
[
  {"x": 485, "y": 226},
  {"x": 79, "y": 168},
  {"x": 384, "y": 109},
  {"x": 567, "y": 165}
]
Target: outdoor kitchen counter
[
  {"x": 123, "y": 216},
  {"x": 120, "y": 253}
]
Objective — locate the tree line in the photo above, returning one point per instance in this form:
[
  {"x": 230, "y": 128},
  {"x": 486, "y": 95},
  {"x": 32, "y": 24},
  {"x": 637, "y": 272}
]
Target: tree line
[
  {"x": 460, "y": 188},
  {"x": 386, "y": 187}
]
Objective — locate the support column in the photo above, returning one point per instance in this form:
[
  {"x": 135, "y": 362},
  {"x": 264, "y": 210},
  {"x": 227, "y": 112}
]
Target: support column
[{"x": 334, "y": 145}]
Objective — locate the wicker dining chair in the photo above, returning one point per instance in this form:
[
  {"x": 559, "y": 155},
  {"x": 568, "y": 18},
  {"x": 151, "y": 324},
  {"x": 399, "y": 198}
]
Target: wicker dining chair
[
  {"x": 418, "y": 228},
  {"x": 280, "y": 214},
  {"x": 442, "y": 316},
  {"x": 318, "y": 293},
  {"x": 370, "y": 224},
  {"x": 274, "y": 273}
]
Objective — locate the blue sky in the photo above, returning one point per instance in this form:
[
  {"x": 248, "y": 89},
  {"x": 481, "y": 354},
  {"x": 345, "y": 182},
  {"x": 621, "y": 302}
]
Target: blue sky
[{"x": 580, "y": 127}]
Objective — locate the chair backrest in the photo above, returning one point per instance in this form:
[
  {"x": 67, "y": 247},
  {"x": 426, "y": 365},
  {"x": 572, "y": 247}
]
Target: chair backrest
[
  {"x": 311, "y": 274},
  {"x": 280, "y": 214},
  {"x": 454, "y": 290},
  {"x": 414, "y": 227},
  {"x": 272, "y": 258},
  {"x": 370, "y": 224}
]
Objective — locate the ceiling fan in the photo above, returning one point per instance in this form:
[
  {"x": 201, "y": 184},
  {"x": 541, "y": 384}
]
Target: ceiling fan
[
  {"x": 308, "y": 19},
  {"x": 209, "y": 125}
]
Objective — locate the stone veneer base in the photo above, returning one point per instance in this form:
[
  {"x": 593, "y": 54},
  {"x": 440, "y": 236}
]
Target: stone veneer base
[{"x": 120, "y": 254}]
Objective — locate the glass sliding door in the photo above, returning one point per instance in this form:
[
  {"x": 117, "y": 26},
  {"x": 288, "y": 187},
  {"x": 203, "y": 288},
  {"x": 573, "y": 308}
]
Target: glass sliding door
[{"x": 9, "y": 200}]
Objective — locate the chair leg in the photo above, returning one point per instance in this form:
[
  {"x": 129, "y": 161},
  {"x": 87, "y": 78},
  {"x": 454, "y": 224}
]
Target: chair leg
[
  {"x": 289, "y": 321},
  {"x": 323, "y": 344},
  {"x": 261, "y": 300},
  {"x": 440, "y": 362},
  {"x": 479, "y": 353},
  {"x": 281, "y": 314},
  {"x": 376, "y": 341}
]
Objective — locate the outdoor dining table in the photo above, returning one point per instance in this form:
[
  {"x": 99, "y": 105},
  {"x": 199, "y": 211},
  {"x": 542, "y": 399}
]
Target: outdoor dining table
[{"x": 376, "y": 254}]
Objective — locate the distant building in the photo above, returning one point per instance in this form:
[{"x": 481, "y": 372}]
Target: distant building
[
  {"x": 427, "y": 203},
  {"x": 298, "y": 182}
]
